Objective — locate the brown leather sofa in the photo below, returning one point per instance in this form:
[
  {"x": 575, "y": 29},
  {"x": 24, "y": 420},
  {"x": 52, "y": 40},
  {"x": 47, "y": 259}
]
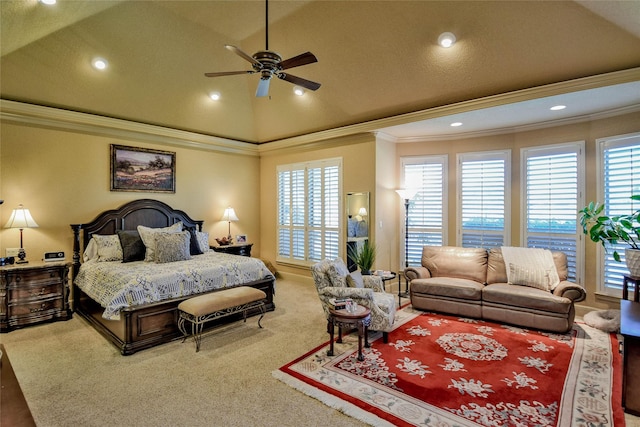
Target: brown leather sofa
[{"x": 472, "y": 282}]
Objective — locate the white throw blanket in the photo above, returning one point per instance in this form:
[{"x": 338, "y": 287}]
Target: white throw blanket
[{"x": 533, "y": 259}]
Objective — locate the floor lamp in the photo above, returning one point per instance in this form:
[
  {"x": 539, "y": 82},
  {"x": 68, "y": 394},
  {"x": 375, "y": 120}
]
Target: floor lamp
[{"x": 407, "y": 195}]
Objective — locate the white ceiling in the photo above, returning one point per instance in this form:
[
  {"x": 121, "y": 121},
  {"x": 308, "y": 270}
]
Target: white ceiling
[{"x": 377, "y": 59}]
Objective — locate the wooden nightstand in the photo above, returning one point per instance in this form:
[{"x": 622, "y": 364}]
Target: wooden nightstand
[
  {"x": 33, "y": 293},
  {"x": 243, "y": 249}
]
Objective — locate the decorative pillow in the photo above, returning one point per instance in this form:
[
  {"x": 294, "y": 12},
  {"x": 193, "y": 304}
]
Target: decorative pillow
[
  {"x": 171, "y": 247},
  {"x": 355, "y": 280},
  {"x": 338, "y": 272},
  {"x": 147, "y": 236},
  {"x": 109, "y": 248},
  {"x": 362, "y": 230},
  {"x": 194, "y": 245},
  {"x": 132, "y": 247},
  {"x": 526, "y": 276},
  {"x": 203, "y": 241},
  {"x": 91, "y": 251}
]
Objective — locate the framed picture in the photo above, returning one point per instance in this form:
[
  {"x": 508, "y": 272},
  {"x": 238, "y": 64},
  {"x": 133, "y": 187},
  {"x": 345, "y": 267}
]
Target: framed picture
[
  {"x": 141, "y": 169},
  {"x": 241, "y": 238}
]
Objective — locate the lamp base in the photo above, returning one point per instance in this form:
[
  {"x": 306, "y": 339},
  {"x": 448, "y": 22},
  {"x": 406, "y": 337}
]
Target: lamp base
[
  {"x": 22, "y": 261},
  {"x": 21, "y": 256}
]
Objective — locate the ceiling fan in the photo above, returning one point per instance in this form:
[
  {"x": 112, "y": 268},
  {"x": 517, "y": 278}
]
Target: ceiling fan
[{"x": 268, "y": 63}]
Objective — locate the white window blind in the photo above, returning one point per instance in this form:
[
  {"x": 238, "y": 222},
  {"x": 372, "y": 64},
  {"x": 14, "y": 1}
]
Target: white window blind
[
  {"x": 552, "y": 196},
  {"x": 427, "y": 210},
  {"x": 309, "y": 211},
  {"x": 620, "y": 162},
  {"x": 483, "y": 189}
]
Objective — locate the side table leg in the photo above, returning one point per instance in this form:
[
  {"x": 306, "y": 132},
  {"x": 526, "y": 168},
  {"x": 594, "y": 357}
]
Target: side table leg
[
  {"x": 361, "y": 332},
  {"x": 331, "y": 332},
  {"x": 625, "y": 292},
  {"x": 339, "y": 340},
  {"x": 366, "y": 337}
]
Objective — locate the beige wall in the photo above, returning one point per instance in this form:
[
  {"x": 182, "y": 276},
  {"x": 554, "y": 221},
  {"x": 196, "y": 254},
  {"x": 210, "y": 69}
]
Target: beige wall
[
  {"x": 63, "y": 178},
  {"x": 586, "y": 131},
  {"x": 358, "y": 155}
]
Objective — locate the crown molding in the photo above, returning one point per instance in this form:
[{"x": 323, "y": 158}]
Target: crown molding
[
  {"x": 55, "y": 118},
  {"x": 584, "y": 83}
]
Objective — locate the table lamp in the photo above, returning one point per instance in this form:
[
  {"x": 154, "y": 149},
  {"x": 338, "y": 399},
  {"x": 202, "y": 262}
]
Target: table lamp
[
  {"x": 229, "y": 215},
  {"x": 21, "y": 218}
]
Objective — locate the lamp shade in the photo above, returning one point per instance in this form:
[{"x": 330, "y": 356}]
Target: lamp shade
[
  {"x": 21, "y": 218},
  {"x": 229, "y": 215},
  {"x": 408, "y": 193},
  {"x": 362, "y": 211}
]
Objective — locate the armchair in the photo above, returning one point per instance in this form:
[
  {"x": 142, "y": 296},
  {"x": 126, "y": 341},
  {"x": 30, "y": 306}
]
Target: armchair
[{"x": 332, "y": 280}]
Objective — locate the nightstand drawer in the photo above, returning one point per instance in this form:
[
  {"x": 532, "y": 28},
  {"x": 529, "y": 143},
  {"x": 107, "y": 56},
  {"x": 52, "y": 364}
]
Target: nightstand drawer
[
  {"x": 35, "y": 308},
  {"x": 26, "y": 293},
  {"x": 38, "y": 277}
]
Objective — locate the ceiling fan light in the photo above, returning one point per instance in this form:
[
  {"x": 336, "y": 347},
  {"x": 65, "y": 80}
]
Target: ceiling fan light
[
  {"x": 298, "y": 90},
  {"x": 456, "y": 124},
  {"x": 558, "y": 107},
  {"x": 446, "y": 39},
  {"x": 214, "y": 95},
  {"x": 48, "y": 2}
]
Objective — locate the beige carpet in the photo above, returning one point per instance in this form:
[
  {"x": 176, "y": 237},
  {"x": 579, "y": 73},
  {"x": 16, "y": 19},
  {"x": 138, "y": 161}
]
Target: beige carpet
[{"x": 70, "y": 375}]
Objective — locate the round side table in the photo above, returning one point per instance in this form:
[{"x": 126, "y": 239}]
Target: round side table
[{"x": 360, "y": 320}]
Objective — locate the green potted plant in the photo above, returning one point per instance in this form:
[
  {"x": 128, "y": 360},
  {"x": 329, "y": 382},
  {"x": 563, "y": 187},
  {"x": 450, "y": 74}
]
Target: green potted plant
[
  {"x": 610, "y": 230},
  {"x": 363, "y": 256}
]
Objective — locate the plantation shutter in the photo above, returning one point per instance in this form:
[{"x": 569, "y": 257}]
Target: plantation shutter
[
  {"x": 309, "y": 211},
  {"x": 483, "y": 196},
  {"x": 551, "y": 199},
  {"x": 427, "y": 211},
  {"x": 621, "y": 176}
]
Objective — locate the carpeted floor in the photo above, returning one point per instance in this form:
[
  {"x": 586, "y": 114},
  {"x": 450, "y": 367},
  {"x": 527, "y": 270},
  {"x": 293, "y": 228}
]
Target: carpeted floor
[{"x": 70, "y": 375}]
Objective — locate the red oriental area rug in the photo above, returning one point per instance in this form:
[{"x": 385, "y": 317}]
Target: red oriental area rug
[{"x": 439, "y": 370}]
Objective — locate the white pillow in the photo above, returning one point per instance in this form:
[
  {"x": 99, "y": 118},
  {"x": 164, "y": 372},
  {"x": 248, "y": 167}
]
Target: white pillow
[
  {"x": 527, "y": 276},
  {"x": 91, "y": 251},
  {"x": 147, "y": 234}
]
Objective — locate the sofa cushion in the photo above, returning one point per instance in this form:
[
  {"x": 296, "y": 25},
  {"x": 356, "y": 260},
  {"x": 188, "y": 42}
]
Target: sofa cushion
[
  {"x": 456, "y": 262},
  {"x": 525, "y": 297},
  {"x": 497, "y": 272},
  {"x": 450, "y": 287}
]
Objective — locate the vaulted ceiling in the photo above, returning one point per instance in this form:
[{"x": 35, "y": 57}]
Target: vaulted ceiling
[{"x": 375, "y": 58}]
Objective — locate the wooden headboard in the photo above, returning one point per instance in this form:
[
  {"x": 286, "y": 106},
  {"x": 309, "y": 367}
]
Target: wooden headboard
[{"x": 147, "y": 212}]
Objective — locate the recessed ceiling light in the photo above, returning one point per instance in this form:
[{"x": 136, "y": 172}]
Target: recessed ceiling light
[
  {"x": 558, "y": 107},
  {"x": 298, "y": 90},
  {"x": 99, "y": 63},
  {"x": 456, "y": 124},
  {"x": 446, "y": 39},
  {"x": 48, "y": 2},
  {"x": 214, "y": 95}
]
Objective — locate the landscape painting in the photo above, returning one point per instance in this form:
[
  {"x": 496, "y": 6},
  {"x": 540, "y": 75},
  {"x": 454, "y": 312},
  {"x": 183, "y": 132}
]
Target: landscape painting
[{"x": 140, "y": 169}]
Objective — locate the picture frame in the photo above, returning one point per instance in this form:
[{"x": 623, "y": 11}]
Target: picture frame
[
  {"x": 142, "y": 169},
  {"x": 241, "y": 238}
]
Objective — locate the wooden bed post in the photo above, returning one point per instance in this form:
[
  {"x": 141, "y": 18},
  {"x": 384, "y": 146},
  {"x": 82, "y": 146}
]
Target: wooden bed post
[{"x": 76, "y": 250}]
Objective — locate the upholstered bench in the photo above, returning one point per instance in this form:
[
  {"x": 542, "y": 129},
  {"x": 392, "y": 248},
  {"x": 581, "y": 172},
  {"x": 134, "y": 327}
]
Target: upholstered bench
[{"x": 201, "y": 309}]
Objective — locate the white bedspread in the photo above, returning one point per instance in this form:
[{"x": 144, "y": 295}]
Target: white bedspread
[{"x": 116, "y": 285}]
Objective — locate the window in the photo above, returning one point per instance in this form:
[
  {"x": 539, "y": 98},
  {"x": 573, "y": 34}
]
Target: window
[
  {"x": 309, "y": 211},
  {"x": 427, "y": 210},
  {"x": 551, "y": 197},
  {"x": 619, "y": 159},
  {"x": 483, "y": 195}
]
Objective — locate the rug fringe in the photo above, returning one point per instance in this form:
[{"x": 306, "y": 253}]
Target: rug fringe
[{"x": 331, "y": 401}]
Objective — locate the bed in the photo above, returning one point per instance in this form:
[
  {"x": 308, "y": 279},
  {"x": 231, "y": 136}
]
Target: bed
[{"x": 144, "y": 317}]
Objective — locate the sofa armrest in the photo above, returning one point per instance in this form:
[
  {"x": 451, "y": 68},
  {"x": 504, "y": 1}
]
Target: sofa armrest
[
  {"x": 411, "y": 273},
  {"x": 570, "y": 290},
  {"x": 373, "y": 282}
]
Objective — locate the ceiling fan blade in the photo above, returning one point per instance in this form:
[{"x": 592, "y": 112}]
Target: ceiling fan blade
[
  {"x": 263, "y": 88},
  {"x": 307, "y": 84},
  {"x": 228, "y": 73},
  {"x": 297, "y": 61},
  {"x": 244, "y": 55}
]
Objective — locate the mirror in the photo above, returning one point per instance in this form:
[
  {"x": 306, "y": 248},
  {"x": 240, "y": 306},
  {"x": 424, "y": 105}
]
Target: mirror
[{"x": 357, "y": 223}]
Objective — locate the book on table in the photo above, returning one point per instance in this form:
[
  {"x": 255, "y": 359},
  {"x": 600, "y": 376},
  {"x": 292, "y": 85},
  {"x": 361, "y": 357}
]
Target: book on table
[{"x": 339, "y": 303}]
